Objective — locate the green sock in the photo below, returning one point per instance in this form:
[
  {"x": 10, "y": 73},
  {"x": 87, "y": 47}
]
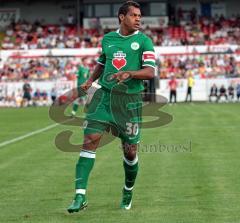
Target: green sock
[
  {"x": 75, "y": 107},
  {"x": 83, "y": 169},
  {"x": 131, "y": 170}
]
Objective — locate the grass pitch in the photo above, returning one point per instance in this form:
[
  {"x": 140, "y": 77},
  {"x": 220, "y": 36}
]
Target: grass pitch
[{"x": 192, "y": 176}]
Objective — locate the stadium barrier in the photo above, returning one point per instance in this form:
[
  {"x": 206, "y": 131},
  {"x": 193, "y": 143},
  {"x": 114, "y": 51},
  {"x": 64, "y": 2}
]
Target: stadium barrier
[{"x": 200, "y": 90}]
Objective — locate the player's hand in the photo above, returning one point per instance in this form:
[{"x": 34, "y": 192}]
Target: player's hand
[
  {"x": 66, "y": 98},
  {"x": 121, "y": 76},
  {"x": 85, "y": 86}
]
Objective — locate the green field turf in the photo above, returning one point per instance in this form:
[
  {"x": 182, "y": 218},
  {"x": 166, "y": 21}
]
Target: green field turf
[{"x": 200, "y": 183}]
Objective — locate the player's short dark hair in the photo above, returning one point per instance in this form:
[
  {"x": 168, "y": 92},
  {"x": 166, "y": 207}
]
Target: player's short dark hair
[
  {"x": 84, "y": 58},
  {"x": 125, "y": 7}
]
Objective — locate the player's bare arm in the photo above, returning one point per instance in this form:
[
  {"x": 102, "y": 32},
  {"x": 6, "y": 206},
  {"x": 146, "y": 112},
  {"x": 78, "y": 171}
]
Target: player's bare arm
[
  {"x": 143, "y": 74},
  {"x": 95, "y": 75}
]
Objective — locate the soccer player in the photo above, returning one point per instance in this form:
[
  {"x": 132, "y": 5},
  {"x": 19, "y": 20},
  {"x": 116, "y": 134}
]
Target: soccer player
[
  {"x": 82, "y": 75},
  {"x": 127, "y": 59}
]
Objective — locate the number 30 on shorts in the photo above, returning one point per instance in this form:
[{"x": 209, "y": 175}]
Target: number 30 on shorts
[{"x": 132, "y": 128}]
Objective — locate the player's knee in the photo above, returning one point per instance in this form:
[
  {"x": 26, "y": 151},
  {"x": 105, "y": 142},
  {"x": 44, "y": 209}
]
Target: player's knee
[
  {"x": 130, "y": 151},
  {"x": 91, "y": 141}
]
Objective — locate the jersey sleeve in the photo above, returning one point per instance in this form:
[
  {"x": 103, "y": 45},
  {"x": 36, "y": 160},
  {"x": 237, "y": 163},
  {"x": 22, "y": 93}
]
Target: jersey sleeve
[
  {"x": 102, "y": 58},
  {"x": 148, "y": 56}
]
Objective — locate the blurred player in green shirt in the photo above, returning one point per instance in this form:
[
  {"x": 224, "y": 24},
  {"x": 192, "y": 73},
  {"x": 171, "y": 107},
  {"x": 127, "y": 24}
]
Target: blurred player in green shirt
[
  {"x": 82, "y": 76},
  {"x": 126, "y": 60}
]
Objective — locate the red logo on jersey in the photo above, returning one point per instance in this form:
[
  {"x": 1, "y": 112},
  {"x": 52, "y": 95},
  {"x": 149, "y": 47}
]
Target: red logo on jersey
[
  {"x": 119, "y": 63},
  {"x": 119, "y": 60}
]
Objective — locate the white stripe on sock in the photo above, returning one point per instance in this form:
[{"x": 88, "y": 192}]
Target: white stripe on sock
[
  {"x": 128, "y": 188},
  {"x": 130, "y": 163},
  {"x": 88, "y": 151},
  {"x": 86, "y": 154},
  {"x": 80, "y": 191}
]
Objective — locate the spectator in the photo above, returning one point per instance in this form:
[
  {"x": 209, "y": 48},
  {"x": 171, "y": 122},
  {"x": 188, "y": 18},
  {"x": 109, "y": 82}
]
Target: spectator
[
  {"x": 44, "y": 98},
  {"x": 18, "y": 98},
  {"x": 187, "y": 31},
  {"x": 70, "y": 19},
  {"x": 231, "y": 92},
  {"x": 53, "y": 95},
  {"x": 42, "y": 68},
  {"x": 1, "y": 95},
  {"x": 238, "y": 91},
  {"x": 222, "y": 92},
  {"x": 37, "y": 97},
  {"x": 213, "y": 93},
  {"x": 209, "y": 66}
]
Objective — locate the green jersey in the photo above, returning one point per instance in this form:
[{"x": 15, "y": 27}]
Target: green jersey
[
  {"x": 125, "y": 53},
  {"x": 82, "y": 75}
]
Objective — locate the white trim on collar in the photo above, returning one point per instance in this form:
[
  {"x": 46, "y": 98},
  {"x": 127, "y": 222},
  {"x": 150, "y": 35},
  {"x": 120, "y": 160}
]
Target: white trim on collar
[{"x": 118, "y": 31}]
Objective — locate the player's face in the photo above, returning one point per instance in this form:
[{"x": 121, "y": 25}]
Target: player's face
[
  {"x": 132, "y": 19},
  {"x": 84, "y": 63}
]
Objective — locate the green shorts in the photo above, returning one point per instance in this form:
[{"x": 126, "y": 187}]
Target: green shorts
[{"x": 115, "y": 111}]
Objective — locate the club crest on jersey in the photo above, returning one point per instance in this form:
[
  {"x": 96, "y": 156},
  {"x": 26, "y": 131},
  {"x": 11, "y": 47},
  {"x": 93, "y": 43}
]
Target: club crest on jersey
[
  {"x": 119, "y": 60},
  {"x": 135, "y": 46}
]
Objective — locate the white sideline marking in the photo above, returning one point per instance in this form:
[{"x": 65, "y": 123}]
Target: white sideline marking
[{"x": 28, "y": 135}]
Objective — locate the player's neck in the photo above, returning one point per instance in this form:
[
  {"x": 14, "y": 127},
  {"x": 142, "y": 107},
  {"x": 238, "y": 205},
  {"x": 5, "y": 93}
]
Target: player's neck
[{"x": 124, "y": 32}]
